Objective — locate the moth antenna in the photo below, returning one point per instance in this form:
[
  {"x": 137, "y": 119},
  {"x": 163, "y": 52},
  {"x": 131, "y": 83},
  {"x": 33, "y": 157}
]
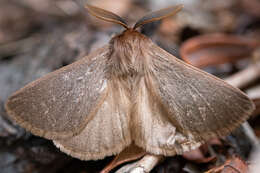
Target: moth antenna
[
  {"x": 158, "y": 15},
  {"x": 106, "y": 15}
]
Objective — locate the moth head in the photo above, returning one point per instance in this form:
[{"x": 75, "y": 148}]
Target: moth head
[{"x": 150, "y": 17}]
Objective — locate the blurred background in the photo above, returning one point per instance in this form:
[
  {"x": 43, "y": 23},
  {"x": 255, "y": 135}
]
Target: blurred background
[{"x": 39, "y": 36}]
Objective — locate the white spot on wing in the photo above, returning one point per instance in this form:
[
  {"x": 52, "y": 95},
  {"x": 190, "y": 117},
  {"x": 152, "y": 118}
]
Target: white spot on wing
[{"x": 104, "y": 85}]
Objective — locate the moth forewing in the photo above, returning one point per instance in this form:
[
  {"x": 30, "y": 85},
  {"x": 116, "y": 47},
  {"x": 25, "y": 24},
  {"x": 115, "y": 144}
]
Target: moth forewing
[
  {"x": 204, "y": 105},
  {"x": 60, "y": 104}
]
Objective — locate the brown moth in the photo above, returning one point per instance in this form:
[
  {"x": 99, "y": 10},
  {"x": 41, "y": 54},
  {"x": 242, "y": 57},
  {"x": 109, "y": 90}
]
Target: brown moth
[{"x": 129, "y": 91}]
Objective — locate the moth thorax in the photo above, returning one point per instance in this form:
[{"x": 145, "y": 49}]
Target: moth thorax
[{"x": 129, "y": 53}]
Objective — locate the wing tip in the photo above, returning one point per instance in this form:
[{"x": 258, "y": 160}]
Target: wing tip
[
  {"x": 225, "y": 131},
  {"x": 34, "y": 130}
]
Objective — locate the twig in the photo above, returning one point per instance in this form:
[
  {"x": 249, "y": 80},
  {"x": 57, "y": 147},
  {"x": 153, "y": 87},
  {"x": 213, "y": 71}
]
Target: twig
[
  {"x": 7, "y": 127},
  {"x": 250, "y": 134},
  {"x": 254, "y": 92},
  {"x": 246, "y": 76},
  {"x": 17, "y": 47},
  {"x": 239, "y": 80},
  {"x": 145, "y": 165}
]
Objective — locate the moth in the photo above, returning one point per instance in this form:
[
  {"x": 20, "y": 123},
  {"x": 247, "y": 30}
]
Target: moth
[{"x": 129, "y": 92}]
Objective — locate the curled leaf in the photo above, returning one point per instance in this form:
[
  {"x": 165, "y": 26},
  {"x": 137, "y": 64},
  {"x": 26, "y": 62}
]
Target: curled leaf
[
  {"x": 198, "y": 156},
  {"x": 214, "y": 49},
  {"x": 131, "y": 153}
]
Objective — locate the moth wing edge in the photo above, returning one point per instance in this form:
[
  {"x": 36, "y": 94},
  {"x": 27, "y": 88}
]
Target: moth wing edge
[
  {"x": 43, "y": 133},
  {"x": 225, "y": 130}
]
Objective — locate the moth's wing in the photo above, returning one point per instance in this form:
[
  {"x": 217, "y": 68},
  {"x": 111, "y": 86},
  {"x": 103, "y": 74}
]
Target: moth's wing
[
  {"x": 107, "y": 133},
  {"x": 201, "y": 105},
  {"x": 61, "y": 103},
  {"x": 153, "y": 129},
  {"x": 179, "y": 106}
]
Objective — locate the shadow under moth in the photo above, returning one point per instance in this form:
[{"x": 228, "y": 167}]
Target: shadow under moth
[{"x": 129, "y": 92}]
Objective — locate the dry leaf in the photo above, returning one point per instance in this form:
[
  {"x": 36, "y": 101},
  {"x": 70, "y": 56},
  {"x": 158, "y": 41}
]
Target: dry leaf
[
  {"x": 233, "y": 165},
  {"x": 198, "y": 156},
  {"x": 128, "y": 154},
  {"x": 213, "y": 49}
]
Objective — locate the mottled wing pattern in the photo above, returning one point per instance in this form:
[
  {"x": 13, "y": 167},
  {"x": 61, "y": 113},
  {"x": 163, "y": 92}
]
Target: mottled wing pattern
[
  {"x": 202, "y": 105},
  {"x": 107, "y": 133},
  {"x": 60, "y": 104}
]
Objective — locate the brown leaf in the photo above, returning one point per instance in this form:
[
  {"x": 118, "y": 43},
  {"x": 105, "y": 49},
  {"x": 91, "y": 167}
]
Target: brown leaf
[
  {"x": 214, "y": 49},
  {"x": 131, "y": 153},
  {"x": 257, "y": 106},
  {"x": 15, "y": 21},
  {"x": 233, "y": 165},
  {"x": 198, "y": 156},
  {"x": 252, "y": 7}
]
